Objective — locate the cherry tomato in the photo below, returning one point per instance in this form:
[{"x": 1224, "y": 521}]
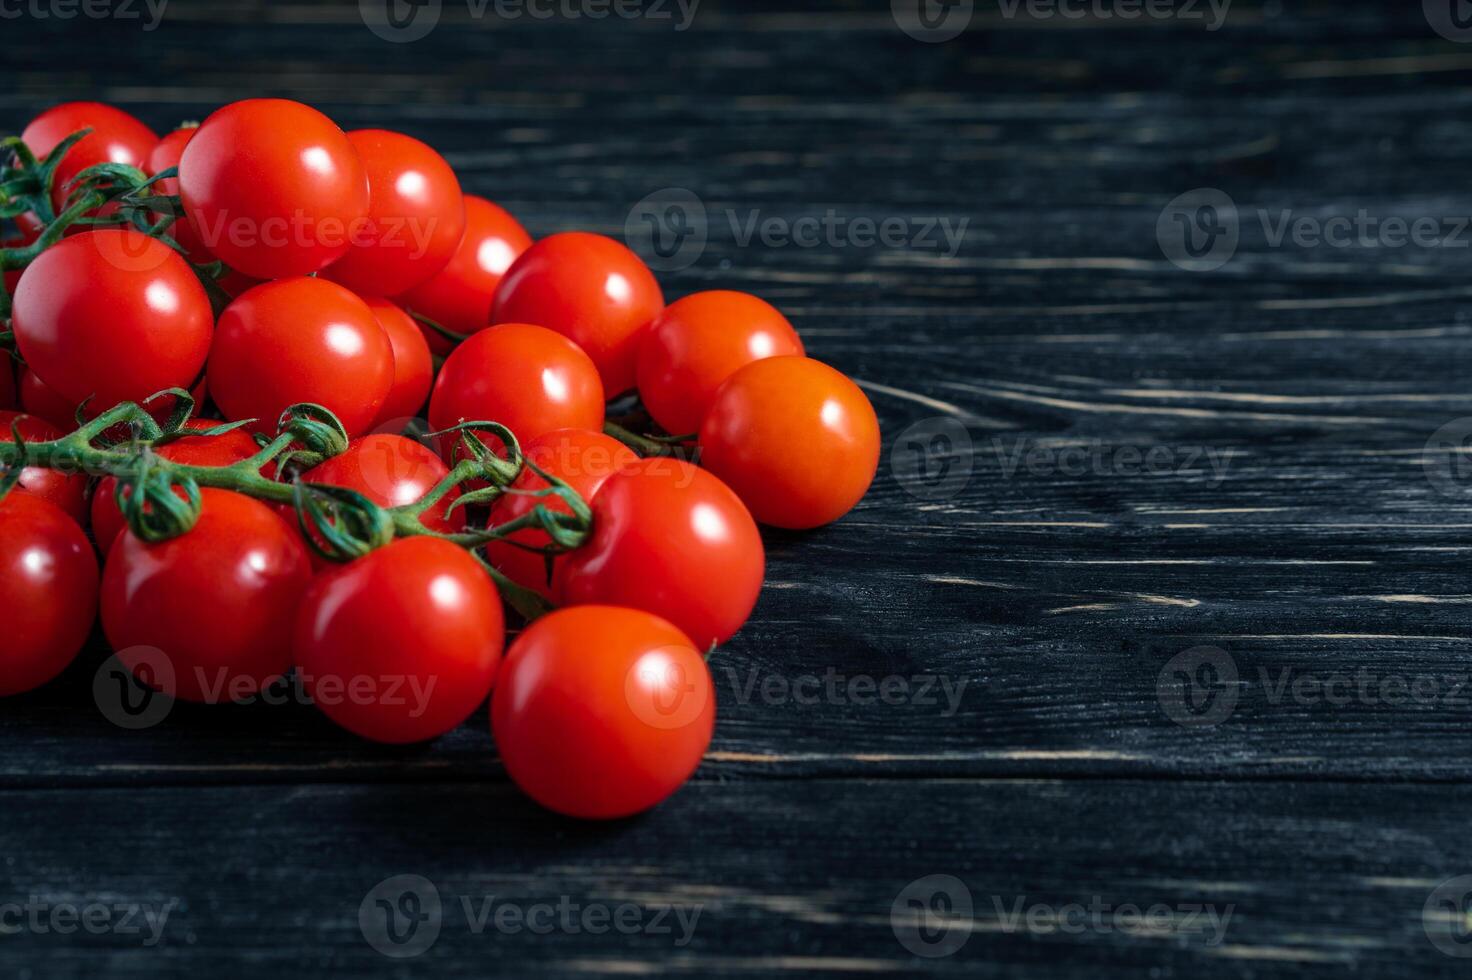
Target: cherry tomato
[
  {"x": 580, "y": 458},
  {"x": 528, "y": 378},
  {"x": 48, "y": 589},
  {"x": 673, "y": 540},
  {"x": 416, "y": 216},
  {"x": 116, "y": 137},
  {"x": 204, "y": 616},
  {"x": 165, "y": 155},
  {"x": 300, "y": 340},
  {"x": 602, "y": 712},
  {"x": 391, "y": 471},
  {"x": 37, "y": 398},
  {"x": 797, "y": 441},
  {"x": 401, "y": 645},
  {"x": 222, "y": 450},
  {"x": 273, "y": 188},
  {"x": 700, "y": 341},
  {"x": 68, "y": 492},
  {"x": 590, "y": 289},
  {"x": 113, "y": 315},
  {"x": 413, "y": 364},
  {"x": 458, "y": 297}
]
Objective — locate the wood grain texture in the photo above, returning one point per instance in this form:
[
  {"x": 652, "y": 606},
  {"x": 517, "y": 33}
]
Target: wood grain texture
[{"x": 1185, "y": 619}]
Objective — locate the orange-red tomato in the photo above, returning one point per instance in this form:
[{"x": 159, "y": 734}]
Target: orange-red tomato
[
  {"x": 203, "y": 616},
  {"x": 602, "y": 712},
  {"x": 48, "y": 589},
  {"x": 221, "y": 450},
  {"x": 413, "y": 365},
  {"x": 165, "y": 155},
  {"x": 116, "y": 137},
  {"x": 416, "y": 216},
  {"x": 403, "y": 644},
  {"x": 797, "y": 441},
  {"x": 672, "y": 540},
  {"x": 273, "y": 187},
  {"x": 391, "y": 471},
  {"x": 68, "y": 492},
  {"x": 578, "y": 457},
  {"x": 528, "y": 378},
  {"x": 700, "y": 341},
  {"x": 458, "y": 297},
  {"x": 300, "y": 340},
  {"x": 592, "y": 290}
]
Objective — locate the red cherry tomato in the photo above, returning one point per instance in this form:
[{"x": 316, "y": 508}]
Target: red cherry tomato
[
  {"x": 528, "y": 378},
  {"x": 48, "y": 589},
  {"x": 38, "y": 399},
  {"x": 458, "y": 297},
  {"x": 580, "y": 458},
  {"x": 300, "y": 340},
  {"x": 391, "y": 471},
  {"x": 401, "y": 645},
  {"x": 416, "y": 216},
  {"x": 221, "y": 450},
  {"x": 116, "y": 137},
  {"x": 797, "y": 441},
  {"x": 700, "y": 341},
  {"x": 113, "y": 315},
  {"x": 204, "y": 616},
  {"x": 413, "y": 365},
  {"x": 165, "y": 155},
  {"x": 673, "y": 540},
  {"x": 68, "y": 492},
  {"x": 590, "y": 289},
  {"x": 273, "y": 188},
  {"x": 602, "y": 712}
]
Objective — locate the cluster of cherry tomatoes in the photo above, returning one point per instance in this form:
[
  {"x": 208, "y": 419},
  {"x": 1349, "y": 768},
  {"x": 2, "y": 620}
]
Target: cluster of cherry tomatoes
[{"x": 266, "y": 259}]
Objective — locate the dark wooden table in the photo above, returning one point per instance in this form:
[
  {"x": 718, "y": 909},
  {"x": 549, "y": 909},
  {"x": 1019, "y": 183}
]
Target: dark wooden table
[{"x": 1151, "y": 636}]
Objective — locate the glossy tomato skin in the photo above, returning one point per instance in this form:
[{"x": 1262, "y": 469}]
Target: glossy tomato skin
[
  {"x": 458, "y": 297},
  {"x": 797, "y": 440},
  {"x": 602, "y": 712},
  {"x": 204, "y": 616},
  {"x": 116, "y": 137},
  {"x": 416, "y": 216},
  {"x": 222, "y": 450},
  {"x": 413, "y": 365},
  {"x": 273, "y": 187},
  {"x": 164, "y": 155},
  {"x": 48, "y": 589},
  {"x": 300, "y": 340},
  {"x": 582, "y": 459},
  {"x": 67, "y": 492},
  {"x": 416, "y": 627},
  {"x": 113, "y": 315},
  {"x": 700, "y": 341},
  {"x": 592, "y": 290},
  {"x": 391, "y": 471},
  {"x": 672, "y": 540},
  {"x": 526, "y": 377}
]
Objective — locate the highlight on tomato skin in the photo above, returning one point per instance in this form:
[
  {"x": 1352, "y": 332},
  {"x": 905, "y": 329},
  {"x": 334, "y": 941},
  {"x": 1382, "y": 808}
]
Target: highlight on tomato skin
[
  {"x": 602, "y": 712},
  {"x": 48, "y": 588}
]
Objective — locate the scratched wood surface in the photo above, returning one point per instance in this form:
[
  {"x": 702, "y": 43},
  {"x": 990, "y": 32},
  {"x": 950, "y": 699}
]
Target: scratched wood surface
[{"x": 1159, "y": 597}]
